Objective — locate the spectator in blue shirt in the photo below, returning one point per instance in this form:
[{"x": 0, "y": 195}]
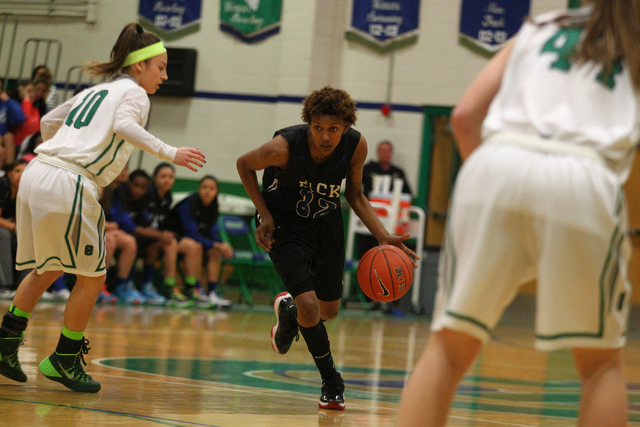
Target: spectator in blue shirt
[
  {"x": 196, "y": 218},
  {"x": 130, "y": 210},
  {"x": 11, "y": 115}
]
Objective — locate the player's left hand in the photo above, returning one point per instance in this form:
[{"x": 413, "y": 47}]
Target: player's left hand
[{"x": 397, "y": 240}]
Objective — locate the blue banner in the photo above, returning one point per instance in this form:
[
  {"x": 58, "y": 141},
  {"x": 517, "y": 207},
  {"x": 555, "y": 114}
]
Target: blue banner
[
  {"x": 170, "y": 19},
  {"x": 384, "y": 25},
  {"x": 488, "y": 24}
]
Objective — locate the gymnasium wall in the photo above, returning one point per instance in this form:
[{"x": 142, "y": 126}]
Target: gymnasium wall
[{"x": 309, "y": 52}]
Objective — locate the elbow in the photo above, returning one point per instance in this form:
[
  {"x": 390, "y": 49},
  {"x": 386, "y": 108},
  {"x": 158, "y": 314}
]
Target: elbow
[
  {"x": 461, "y": 119},
  {"x": 242, "y": 166}
]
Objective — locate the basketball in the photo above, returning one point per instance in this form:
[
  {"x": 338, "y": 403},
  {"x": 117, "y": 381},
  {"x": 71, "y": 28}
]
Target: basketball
[{"x": 385, "y": 273}]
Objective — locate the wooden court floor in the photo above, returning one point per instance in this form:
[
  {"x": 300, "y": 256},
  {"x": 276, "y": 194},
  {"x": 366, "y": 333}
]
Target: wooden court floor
[{"x": 170, "y": 367}]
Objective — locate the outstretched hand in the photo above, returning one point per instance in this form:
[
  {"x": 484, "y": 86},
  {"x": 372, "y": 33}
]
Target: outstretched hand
[
  {"x": 188, "y": 157},
  {"x": 396, "y": 240}
]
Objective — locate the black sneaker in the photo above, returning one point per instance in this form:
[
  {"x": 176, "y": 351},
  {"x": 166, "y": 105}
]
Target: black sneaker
[
  {"x": 9, "y": 363},
  {"x": 286, "y": 327},
  {"x": 67, "y": 370},
  {"x": 332, "y": 396}
]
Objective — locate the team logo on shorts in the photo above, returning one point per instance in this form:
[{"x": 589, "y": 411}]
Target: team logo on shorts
[{"x": 88, "y": 250}]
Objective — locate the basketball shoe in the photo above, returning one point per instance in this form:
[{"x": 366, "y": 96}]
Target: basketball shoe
[
  {"x": 106, "y": 297},
  {"x": 332, "y": 396},
  {"x": 9, "y": 363},
  {"x": 286, "y": 327},
  {"x": 178, "y": 300},
  {"x": 128, "y": 294},
  {"x": 218, "y": 301},
  {"x": 151, "y": 294},
  {"x": 68, "y": 371}
]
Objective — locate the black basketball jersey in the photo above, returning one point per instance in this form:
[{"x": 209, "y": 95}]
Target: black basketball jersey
[{"x": 312, "y": 191}]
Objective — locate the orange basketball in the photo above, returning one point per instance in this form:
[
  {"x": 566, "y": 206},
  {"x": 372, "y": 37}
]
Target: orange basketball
[{"x": 385, "y": 273}]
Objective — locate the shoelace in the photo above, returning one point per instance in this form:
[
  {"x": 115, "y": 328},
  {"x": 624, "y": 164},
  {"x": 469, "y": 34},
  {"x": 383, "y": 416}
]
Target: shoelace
[
  {"x": 76, "y": 369},
  {"x": 84, "y": 350},
  {"x": 13, "y": 357}
]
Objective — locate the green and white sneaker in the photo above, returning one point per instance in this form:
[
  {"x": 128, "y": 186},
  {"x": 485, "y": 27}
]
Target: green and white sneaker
[
  {"x": 179, "y": 300},
  {"x": 68, "y": 371},
  {"x": 9, "y": 363}
]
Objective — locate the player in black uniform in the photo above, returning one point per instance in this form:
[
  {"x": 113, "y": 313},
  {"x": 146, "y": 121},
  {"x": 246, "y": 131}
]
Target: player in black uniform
[{"x": 300, "y": 223}]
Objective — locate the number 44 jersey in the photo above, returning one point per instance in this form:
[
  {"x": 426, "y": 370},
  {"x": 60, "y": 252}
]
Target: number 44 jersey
[
  {"x": 98, "y": 128},
  {"x": 545, "y": 93},
  {"x": 311, "y": 190}
]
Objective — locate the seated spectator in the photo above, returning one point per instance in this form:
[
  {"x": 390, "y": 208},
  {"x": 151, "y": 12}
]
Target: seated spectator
[
  {"x": 52, "y": 99},
  {"x": 160, "y": 200},
  {"x": 26, "y": 150},
  {"x": 130, "y": 210},
  {"x": 8, "y": 192},
  {"x": 196, "y": 218},
  {"x": 11, "y": 115},
  {"x": 31, "y": 124},
  {"x": 118, "y": 241},
  {"x": 40, "y": 93}
]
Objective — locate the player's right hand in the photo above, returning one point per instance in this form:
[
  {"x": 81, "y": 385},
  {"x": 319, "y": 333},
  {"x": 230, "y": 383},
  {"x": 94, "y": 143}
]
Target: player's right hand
[
  {"x": 264, "y": 233},
  {"x": 188, "y": 157}
]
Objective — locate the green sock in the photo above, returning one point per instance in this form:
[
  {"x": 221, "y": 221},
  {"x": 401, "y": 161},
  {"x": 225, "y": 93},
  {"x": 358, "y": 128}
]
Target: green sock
[
  {"x": 76, "y": 336},
  {"x": 19, "y": 313},
  {"x": 170, "y": 282}
]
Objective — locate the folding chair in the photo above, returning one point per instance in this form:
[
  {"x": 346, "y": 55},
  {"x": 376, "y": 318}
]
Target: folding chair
[{"x": 249, "y": 260}]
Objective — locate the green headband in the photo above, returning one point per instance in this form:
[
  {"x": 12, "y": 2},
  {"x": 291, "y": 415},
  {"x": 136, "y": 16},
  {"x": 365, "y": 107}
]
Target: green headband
[{"x": 144, "y": 53}]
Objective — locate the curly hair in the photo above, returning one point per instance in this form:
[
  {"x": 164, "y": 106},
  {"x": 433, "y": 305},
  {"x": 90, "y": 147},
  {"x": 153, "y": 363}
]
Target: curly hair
[{"x": 329, "y": 102}]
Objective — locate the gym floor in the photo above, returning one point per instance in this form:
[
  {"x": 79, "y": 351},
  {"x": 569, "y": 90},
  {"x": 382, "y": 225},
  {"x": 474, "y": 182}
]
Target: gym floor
[{"x": 194, "y": 367}]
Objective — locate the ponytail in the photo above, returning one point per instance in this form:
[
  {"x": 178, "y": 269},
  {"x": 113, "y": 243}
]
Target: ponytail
[
  {"x": 132, "y": 38},
  {"x": 611, "y": 35}
]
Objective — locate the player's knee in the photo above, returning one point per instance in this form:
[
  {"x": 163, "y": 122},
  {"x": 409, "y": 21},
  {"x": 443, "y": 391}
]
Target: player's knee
[
  {"x": 91, "y": 281},
  {"x": 195, "y": 248},
  {"x": 329, "y": 313},
  {"x": 308, "y": 309},
  {"x": 592, "y": 361}
]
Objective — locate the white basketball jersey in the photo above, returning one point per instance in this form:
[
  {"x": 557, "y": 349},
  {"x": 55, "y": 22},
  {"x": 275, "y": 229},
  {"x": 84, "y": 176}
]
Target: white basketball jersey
[
  {"x": 543, "y": 94},
  {"x": 86, "y": 133}
]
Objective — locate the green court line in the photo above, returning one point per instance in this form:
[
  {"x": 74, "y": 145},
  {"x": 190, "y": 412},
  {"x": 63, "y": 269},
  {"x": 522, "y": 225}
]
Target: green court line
[
  {"x": 561, "y": 402},
  {"x": 122, "y": 414}
]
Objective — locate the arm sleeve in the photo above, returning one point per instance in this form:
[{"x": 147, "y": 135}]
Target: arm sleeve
[
  {"x": 121, "y": 217},
  {"x": 215, "y": 232},
  {"x": 130, "y": 114},
  {"x": 191, "y": 226},
  {"x": 54, "y": 119}
]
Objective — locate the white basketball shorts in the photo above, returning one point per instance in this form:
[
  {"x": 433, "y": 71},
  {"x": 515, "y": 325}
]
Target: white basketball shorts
[
  {"x": 519, "y": 214},
  {"x": 59, "y": 222}
]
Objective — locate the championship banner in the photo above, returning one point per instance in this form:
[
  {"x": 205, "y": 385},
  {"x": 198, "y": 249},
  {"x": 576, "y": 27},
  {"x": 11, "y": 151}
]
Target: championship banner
[
  {"x": 170, "y": 19},
  {"x": 384, "y": 25},
  {"x": 488, "y": 24},
  {"x": 250, "y": 20}
]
